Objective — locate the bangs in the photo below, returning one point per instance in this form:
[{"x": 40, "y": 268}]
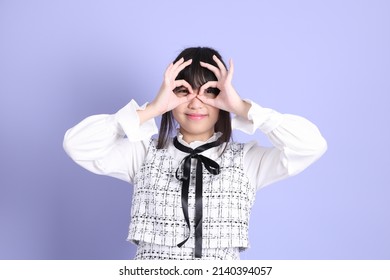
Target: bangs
[{"x": 195, "y": 74}]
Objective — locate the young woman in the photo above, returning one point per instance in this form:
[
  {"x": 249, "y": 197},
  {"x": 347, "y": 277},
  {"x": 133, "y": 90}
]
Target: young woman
[{"x": 193, "y": 187}]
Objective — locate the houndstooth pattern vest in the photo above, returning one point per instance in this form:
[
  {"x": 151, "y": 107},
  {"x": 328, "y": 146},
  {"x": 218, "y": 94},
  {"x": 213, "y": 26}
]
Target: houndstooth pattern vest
[{"x": 157, "y": 215}]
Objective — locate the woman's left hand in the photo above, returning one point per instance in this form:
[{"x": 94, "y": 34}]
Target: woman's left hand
[{"x": 227, "y": 99}]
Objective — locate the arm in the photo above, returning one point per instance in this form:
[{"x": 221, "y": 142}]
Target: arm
[
  {"x": 297, "y": 144},
  {"x": 98, "y": 143}
]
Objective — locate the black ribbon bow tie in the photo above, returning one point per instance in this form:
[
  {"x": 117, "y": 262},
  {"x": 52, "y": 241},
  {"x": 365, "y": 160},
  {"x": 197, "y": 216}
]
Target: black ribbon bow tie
[{"x": 213, "y": 168}]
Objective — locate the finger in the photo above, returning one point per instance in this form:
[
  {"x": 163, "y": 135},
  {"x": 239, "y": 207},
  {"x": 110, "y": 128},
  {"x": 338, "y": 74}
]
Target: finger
[
  {"x": 169, "y": 67},
  {"x": 220, "y": 65},
  {"x": 174, "y": 66},
  {"x": 168, "y": 71},
  {"x": 189, "y": 97},
  {"x": 177, "y": 63},
  {"x": 208, "y": 101},
  {"x": 179, "y": 83},
  {"x": 212, "y": 68},
  {"x": 177, "y": 70},
  {"x": 207, "y": 85},
  {"x": 231, "y": 71}
]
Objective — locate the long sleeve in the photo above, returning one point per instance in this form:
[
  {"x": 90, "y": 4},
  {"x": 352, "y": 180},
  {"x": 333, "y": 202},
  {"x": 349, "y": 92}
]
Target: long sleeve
[
  {"x": 113, "y": 145},
  {"x": 297, "y": 143}
]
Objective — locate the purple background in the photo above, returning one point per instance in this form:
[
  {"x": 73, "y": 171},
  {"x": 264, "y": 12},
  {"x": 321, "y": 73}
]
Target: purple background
[{"x": 61, "y": 61}]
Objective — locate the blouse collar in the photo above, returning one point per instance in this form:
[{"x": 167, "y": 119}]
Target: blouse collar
[{"x": 196, "y": 144}]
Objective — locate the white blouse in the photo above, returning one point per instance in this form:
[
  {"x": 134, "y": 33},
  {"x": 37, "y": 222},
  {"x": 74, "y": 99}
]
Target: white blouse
[{"x": 116, "y": 145}]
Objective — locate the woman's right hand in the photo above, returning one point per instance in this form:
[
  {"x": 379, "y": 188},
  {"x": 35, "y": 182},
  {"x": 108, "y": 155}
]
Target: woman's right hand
[{"x": 167, "y": 99}]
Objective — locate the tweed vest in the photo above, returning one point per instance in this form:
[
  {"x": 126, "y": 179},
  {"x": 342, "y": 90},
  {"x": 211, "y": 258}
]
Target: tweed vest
[{"x": 157, "y": 215}]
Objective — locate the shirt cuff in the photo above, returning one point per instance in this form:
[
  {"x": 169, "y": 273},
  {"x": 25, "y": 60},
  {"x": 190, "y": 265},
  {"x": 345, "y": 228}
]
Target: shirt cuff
[
  {"x": 128, "y": 119},
  {"x": 265, "y": 119}
]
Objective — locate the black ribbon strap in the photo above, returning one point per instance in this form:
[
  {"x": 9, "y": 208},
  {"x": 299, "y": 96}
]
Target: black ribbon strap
[{"x": 185, "y": 165}]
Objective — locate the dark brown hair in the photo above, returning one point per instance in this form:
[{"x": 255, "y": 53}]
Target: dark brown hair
[{"x": 196, "y": 76}]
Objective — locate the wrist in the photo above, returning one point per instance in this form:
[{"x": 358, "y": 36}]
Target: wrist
[
  {"x": 153, "y": 110},
  {"x": 242, "y": 109},
  {"x": 148, "y": 113}
]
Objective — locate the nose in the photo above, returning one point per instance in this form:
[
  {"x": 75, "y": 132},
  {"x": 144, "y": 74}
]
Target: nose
[{"x": 195, "y": 104}]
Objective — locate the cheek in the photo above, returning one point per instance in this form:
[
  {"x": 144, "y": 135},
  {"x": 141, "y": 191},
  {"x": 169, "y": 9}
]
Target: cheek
[
  {"x": 176, "y": 113},
  {"x": 215, "y": 114},
  {"x": 178, "y": 117}
]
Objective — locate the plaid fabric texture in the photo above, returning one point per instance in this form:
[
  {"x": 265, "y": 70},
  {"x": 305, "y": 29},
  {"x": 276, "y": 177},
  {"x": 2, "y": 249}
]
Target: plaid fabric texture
[
  {"x": 157, "y": 217},
  {"x": 149, "y": 251}
]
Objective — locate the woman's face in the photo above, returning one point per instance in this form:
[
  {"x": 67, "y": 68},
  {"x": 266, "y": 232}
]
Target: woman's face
[{"x": 196, "y": 119}]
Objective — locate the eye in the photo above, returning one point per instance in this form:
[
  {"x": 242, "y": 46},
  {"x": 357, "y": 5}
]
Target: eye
[
  {"x": 181, "y": 91},
  {"x": 211, "y": 92}
]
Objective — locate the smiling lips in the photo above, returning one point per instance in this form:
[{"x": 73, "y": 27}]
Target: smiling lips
[{"x": 196, "y": 117}]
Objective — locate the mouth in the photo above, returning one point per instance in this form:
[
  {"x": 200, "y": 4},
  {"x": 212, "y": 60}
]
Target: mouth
[{"x": 196, "y": 116}]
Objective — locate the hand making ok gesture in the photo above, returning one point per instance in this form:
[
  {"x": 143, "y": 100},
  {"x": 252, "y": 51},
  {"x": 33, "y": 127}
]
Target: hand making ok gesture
[
  {"x": 166, "y": 99},
  {"x": 227, "y": 99}
]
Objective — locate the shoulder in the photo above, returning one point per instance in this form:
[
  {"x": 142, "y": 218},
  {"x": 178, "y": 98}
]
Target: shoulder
[
  {"x": 232, "y": 151},
  {"x": 240, "y": 148}
]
